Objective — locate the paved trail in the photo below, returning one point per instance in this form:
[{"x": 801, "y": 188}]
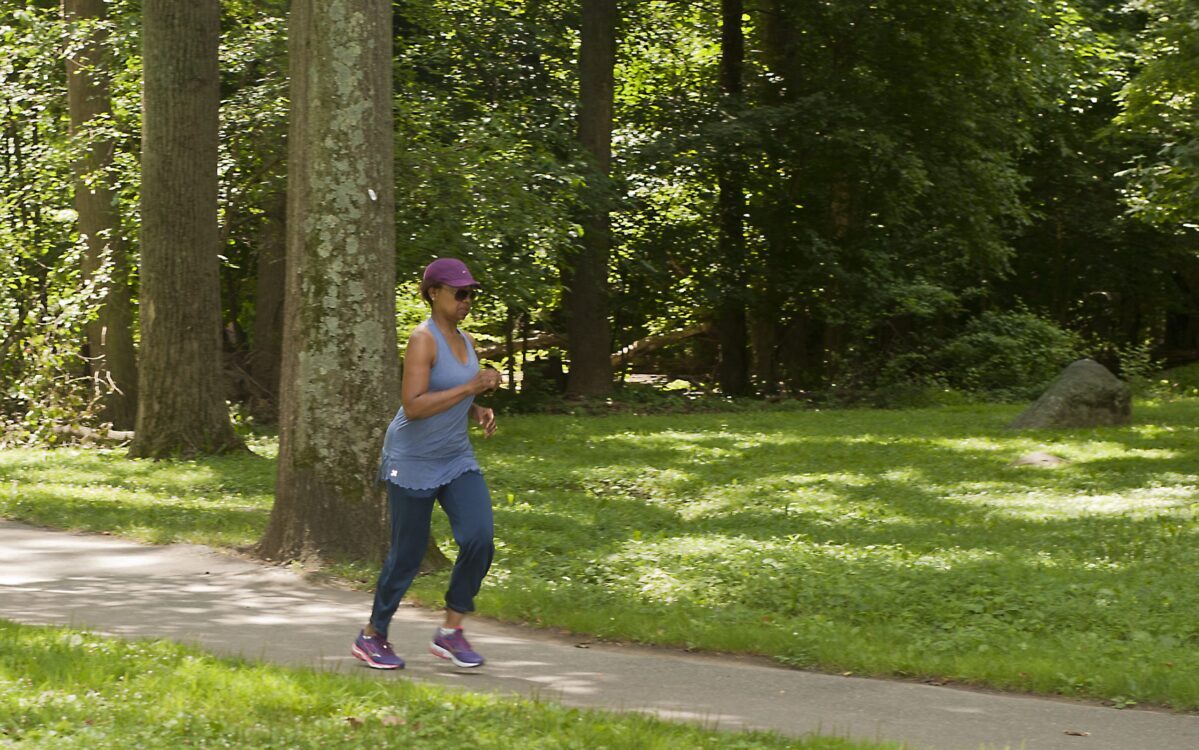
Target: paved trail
[{"x": 237, "y": 607}]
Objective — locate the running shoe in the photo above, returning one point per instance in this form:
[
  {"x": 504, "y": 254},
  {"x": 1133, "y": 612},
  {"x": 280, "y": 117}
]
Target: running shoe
[
  {"x": 456, "y": 648},
  {"x": 376, "y": 652}
]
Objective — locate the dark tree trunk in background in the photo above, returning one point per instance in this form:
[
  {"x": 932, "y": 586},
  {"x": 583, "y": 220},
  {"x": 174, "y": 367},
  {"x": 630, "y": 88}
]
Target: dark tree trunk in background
[
  {"x": 181, "y": 398},
  {"x": 779, "y": 40},
  {"x": 266, "y": 353},
  {"x": 585, "y": 275},
  {"x": 340, "y": 381},
  {"x": 1181, "y": 336},
  {"x": 731, "y": 327},
  {"x": 110, "y": 335}
]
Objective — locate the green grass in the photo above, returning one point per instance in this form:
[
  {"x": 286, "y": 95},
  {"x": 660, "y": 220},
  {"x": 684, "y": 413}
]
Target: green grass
[
  {"x": 69, "y": 689},
  {"x": 222, "y": 501},
  {"x": 897, "y": 543}
]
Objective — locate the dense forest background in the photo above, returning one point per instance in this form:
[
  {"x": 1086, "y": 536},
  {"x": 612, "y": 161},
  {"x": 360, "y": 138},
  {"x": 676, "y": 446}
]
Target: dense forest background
[{"x": 862, "y": 199}]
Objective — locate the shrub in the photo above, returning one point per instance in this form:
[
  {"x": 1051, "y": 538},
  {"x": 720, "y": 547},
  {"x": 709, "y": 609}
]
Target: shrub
[
  {"x": 1178, "y": 381},
  {"x": 1137, "y": 366},
  {"x": 999, "y": 355}
]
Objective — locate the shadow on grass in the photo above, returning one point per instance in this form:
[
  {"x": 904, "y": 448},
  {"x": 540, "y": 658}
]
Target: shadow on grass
[
  {"x": 900, "y": 533},
  {"x": 221, "y": 500},
  {"x": 916, "y": 533}
]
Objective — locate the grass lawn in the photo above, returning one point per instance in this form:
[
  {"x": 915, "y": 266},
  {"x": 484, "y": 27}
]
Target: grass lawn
[
  {"x": 875, "y": 542},
  {"x": 69, "y": 689}
]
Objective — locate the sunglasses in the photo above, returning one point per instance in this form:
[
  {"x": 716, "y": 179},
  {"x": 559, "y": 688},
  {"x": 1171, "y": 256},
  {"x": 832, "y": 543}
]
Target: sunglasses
[{"x": 464, "y": 294}]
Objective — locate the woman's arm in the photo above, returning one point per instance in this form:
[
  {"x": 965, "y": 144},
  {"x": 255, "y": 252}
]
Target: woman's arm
[{"x": 419, "y": 402}]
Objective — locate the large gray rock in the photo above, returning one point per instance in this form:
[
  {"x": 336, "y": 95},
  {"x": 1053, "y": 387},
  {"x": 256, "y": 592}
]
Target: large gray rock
[{"x": 1086, "y": 394}]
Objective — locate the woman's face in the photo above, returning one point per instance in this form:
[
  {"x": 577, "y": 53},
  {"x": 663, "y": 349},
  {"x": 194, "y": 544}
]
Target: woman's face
[{"x": 452, "y": 302}]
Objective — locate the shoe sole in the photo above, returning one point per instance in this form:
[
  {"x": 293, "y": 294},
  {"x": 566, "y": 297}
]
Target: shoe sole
[
  {"x": 363, "y": 656},
  {"x": 445, "y": 653}
]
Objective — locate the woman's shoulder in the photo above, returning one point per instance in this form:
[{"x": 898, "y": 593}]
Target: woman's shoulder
[
  {"x": 421, "y": 329},
  {"x": 422, "y": 338}
]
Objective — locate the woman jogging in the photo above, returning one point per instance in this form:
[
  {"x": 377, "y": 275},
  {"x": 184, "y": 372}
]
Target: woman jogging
[{"x": 427, "y": 457}]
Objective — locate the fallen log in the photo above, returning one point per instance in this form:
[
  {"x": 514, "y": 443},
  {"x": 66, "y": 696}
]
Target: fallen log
[
  {"x": 634, "y": 350},
  {"x": 539, "y": 341},
  {"x": 648, "y": 344},
  {"x": 88, "y": 433}
]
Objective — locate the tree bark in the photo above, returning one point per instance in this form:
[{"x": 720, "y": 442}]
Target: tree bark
[
  {"x": 181, "y": 399},
  {"x": 585, "y": 275},
  {"x": 731, "y": 325},
  {"x": 764, "y": 332},
  {"x": 266, "y": 354},
  {"x": 110, "y": 334},
  {"x": 340, "y": 381}
]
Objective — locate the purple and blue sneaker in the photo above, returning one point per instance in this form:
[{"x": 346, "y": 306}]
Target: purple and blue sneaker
[
  {"x": 376, "y": 652},
  {"x": 456, "y": 648}
]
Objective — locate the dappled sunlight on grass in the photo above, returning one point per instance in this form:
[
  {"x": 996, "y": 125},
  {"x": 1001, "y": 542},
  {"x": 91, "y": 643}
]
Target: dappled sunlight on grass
[
  {"x": 221, "y": 501},
  {"x": 976, "y": 444},
  {"x": 909, "y": 529},
  {"x": 1138, "y": 503},
  {"x": 66, "y": 688},
  {"x": 782, "y": 495},
  {"x": 881, "y": 542}
]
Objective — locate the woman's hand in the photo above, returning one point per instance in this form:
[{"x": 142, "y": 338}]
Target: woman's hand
[
  {"x": 486, "y": 419},
  {"x": 485, "y": 381}
]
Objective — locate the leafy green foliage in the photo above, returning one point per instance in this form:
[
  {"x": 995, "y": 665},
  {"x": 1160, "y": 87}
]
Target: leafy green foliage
[
  {"x": 999, "y": 354},
  {"x": 1074, "y": 262},
  {"x": 1161, "y": 103},
  {"x": 906, "y": 168},
  {"x": 486, "y": 169},
  {"x": 1178, "y": 381},
  {"x": 253, "y": 145},
  {"x": 42, "y": 304}
]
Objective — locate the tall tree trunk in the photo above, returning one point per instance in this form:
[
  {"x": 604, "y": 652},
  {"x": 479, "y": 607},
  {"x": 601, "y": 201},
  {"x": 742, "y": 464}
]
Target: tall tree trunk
[
  {"x": 586, "y": 270},
  {"x": 266, "y": 354},
  {"x": 110, "y": 335},
  {"x": 181, "y": 395},
  {"x": 340, "y": 380},
  {"x": 733, "y": 372},
  {"x": 764, "y": 332}
]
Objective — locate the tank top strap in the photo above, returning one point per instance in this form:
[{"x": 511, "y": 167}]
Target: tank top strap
[
  {"x": 444, "y": 346},
  {"x": 437, "y": 335}
]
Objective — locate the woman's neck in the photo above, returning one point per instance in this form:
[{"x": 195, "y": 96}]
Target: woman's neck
[{"x": 447, "y": 325}]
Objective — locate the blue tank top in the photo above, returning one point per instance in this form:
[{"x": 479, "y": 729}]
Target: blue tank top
[{"x": 427, "y": 453}]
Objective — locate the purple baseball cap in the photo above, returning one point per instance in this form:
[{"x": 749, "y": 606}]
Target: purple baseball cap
[{"x": 449, "y": 271}]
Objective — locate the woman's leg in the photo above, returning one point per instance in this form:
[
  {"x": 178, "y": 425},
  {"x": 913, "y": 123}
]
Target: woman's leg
[
  {"x": 411, "y": 511},
  {"x": 467, "y": 502}
]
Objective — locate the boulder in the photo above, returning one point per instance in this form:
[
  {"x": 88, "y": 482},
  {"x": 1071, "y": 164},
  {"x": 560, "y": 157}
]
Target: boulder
[{"x": 1086, "y": 394}]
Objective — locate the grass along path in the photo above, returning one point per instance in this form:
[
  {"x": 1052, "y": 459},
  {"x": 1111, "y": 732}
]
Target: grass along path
[
  {"x": 876, "y": 542},
  {"x": 63, "y": 689}
]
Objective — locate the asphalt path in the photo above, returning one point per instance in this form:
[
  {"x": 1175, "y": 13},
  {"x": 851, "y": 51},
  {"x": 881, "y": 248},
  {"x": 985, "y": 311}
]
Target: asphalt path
[{"x": 233, "y": 606}]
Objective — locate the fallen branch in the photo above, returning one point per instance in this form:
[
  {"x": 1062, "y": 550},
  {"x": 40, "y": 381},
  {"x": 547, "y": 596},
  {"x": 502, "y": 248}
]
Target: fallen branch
[
  {"x": 634, "y": 350},
  {"x": 657, "y": 341},
  {"x": 539, "y": 341},
  {"x": 88, "y": 433}
]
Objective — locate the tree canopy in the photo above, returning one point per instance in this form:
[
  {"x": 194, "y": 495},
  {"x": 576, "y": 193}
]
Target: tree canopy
[{"x": 911, "y": 179}]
